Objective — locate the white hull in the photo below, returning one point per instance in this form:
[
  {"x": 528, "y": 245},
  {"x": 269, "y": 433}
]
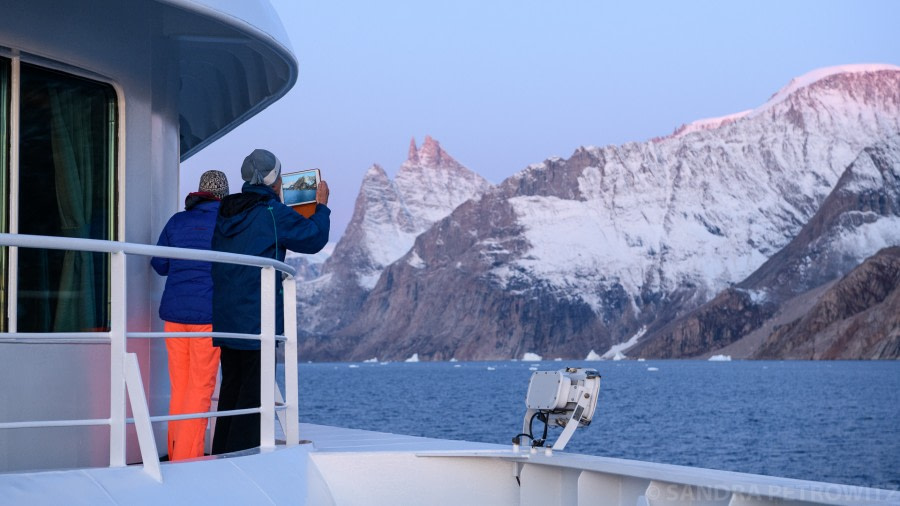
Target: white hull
[{"x": 354, "y": 467}]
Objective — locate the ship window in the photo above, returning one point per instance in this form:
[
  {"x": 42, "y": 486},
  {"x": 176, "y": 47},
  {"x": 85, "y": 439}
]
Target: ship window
[{"x": 66, "y": 171}]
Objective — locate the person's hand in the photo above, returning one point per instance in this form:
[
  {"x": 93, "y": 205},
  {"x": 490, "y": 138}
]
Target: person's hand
[{"x": 322, "y": 193}]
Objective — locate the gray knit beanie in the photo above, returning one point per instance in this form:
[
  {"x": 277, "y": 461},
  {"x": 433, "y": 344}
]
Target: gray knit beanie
[
  {"x": 261, "y": 167},
  {"x": 215, "y": 182}
]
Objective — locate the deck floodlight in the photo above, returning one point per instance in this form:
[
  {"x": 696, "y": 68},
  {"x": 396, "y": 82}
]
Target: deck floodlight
[{"x": 565, "y": 398}]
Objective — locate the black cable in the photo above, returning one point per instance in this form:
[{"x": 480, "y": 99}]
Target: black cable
[
  {"x": 517, "y": 436},
  {"x": 531, "y": 423},
  {"x": 546, "y": 425},
  {"x": 542, "y": 416}
]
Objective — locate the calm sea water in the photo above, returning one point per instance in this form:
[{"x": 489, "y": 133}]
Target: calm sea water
[
  {"x": 292, "y": 196},
  {"x": 826, "y": 421}
]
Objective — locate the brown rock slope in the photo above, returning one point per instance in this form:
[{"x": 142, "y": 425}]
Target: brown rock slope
[{"x": 857, "y": 318}]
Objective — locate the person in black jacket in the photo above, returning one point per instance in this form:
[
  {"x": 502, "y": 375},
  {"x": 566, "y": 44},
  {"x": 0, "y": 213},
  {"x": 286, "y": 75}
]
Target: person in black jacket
[
  {"x": 254, "y": 222},
  {"x": 186, "y": 306}
]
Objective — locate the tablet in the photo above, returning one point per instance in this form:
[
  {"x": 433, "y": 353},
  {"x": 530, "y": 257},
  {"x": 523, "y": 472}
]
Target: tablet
[{"x": 298, "y": 188}]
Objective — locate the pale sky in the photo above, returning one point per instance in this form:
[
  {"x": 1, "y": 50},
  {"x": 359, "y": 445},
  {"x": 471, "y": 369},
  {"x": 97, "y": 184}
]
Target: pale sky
[{"x": 504, "y": 84}]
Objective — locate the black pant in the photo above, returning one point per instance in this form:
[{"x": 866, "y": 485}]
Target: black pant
[{"x": 239, "y": 390}]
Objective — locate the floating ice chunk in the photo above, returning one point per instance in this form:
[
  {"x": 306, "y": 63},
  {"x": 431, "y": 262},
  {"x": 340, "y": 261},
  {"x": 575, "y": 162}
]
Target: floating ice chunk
[
  {"x": 651, "y": 369},
  {"x": 720, "y": 358},
  {"x": 457, "y": 365},
  {"x": 533, "y": 368},
  {"x": 491, "y": 368},
  {"x": 557, "y": 359},
  {"x": 642, "y": 359},
  {"x": 354, "y": 366},
  {"x": 593, "y": 355},
  {"x": 531, "y": 357},
  {"x": 454, "y": 359},
  {"x": 413, "y": 358},
  {"x": 372, "y": 360}
]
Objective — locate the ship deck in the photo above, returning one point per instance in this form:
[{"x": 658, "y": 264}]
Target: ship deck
[{"x": 350, "y": 466}]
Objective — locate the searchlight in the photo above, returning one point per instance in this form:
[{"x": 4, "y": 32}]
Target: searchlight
[{"x": 565, "y": 398}]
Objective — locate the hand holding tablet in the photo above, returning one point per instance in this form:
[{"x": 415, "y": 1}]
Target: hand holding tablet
[{"x": 303, "y": 190}]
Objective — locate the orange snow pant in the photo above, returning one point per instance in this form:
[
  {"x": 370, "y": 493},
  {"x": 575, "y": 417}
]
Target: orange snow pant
[{"x": 193, "y": 365}]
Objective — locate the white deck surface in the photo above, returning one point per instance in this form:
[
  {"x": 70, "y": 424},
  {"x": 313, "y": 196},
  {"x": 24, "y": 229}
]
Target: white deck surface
[{"x": 347, "y": 466}]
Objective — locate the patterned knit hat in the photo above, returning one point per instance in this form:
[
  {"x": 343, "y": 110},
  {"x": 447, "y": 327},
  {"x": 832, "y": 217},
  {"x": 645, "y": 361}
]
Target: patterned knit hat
[
  {"x": 215, "y": 182},
  {"x": 261, "y": 167}
]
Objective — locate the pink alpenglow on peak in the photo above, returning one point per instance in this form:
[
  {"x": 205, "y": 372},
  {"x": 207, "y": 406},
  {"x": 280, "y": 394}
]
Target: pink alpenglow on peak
[
  {"x": 431, "y": 154},
  {"x": 812, "y": 77},
  {"x": 413, "y": 152}
]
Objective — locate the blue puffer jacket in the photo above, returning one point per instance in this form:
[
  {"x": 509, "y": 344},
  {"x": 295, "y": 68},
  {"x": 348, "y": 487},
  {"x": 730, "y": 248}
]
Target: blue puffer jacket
[
  {"x": 188, "y": 294},
  {"x": 255, "y": 222}
]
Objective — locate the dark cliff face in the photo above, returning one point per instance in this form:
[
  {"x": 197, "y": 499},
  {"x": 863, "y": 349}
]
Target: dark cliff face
[
  {"x": 449, "y": 306},
  {"x": 728, "y": 317},
  {"x": 857, "y": 318}
]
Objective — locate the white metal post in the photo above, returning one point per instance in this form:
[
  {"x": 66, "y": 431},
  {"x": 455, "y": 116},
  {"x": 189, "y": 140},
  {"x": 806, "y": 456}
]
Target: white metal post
[
  {"x": 149, "y": 452},
  {"x": 291, "y": 386},
  {"x": 12, "y": 266},
  {"x": 117, "y": 361},
  {"x": 267, "y": 358}
]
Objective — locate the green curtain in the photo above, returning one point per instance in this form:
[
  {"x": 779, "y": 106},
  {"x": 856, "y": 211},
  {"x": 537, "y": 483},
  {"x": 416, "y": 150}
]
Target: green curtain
[{"x": 72, "y": 142}]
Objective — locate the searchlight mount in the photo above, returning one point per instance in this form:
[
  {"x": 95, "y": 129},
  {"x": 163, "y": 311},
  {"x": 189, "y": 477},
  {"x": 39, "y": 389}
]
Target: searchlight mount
[{"x": 565, "y": 398}]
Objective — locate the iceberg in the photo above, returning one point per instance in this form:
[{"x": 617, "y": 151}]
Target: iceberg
[
  {"x": 413, "y": 358},
  {"x": 720, "y": 358},
  {"x": 593, "y": 355},
  {"x": 619, "y": 356},
  {"x": 531, "y": 357}
]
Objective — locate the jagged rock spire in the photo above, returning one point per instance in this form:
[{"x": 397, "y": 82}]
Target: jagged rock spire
[
  {"x": 414, "y": 151},
  {"x": 431, "y": 152}
]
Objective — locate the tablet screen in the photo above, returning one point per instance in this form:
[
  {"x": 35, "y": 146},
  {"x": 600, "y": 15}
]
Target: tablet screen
[{"x": 299, "y": 187}]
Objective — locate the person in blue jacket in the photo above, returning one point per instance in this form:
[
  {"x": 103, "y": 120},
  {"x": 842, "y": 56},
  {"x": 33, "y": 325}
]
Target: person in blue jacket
[
  {"x": 253, "y": 222},
  {"x": 186, "y": 306}
]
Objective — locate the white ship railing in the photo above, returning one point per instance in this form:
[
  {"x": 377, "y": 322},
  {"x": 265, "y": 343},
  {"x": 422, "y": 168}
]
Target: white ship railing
[{"x": 124, "y": 369}]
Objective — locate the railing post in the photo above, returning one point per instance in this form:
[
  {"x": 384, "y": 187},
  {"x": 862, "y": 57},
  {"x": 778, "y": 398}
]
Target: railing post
[
  {"x": 117, "y": 361},
  {"x": 146, "y": 441},
  {"x": 291, "y": 380},
  {"x": 12, "y": 286},
  {"x": 267, "y": 358}
]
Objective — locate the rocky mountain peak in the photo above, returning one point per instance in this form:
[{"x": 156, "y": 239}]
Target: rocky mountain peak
[
  {"x": 387, "y": 218},
  {"x": 430, "y": 155},
  {"x": 413, "y": 157},
  {"x": 825, "y": 88},
  {"x": 375, "y": 172},
  {"x": 828, "y": 76}
]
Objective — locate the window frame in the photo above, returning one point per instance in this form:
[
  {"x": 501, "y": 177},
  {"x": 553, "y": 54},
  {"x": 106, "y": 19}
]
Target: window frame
[{"x": 9, "y": 262}]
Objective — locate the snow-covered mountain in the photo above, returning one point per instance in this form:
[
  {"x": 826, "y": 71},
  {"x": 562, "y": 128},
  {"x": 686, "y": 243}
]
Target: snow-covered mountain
[
  {"x": 577, "y": 254},
  {"x": 859, "y": 219},
  {"x": 387, "y": 218}
]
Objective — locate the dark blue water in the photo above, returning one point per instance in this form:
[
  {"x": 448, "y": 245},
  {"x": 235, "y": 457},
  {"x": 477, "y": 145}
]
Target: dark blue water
[
  {"x": 826, "y": 421},
  {"x": 295, "y": 196}
]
